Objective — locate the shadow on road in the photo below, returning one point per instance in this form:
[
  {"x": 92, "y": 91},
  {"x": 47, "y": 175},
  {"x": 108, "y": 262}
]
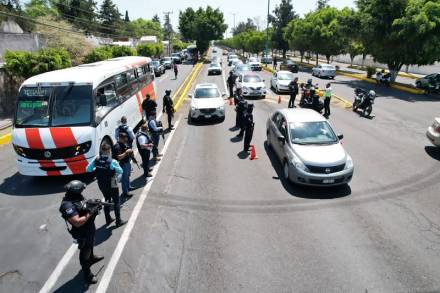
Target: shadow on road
[
  {"x": 75, "y": 285},
  {"x": 19, "y": 185},
  {"x": 433, "y": 152},
  {"x": 204, "y": 122},
  {"x": 305, "y": 191}
]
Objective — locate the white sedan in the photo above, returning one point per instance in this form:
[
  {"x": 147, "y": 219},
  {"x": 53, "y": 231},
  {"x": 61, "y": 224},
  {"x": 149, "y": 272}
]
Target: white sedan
[
  {"x": 433, "y": 132},
  {"x": 324, "y": 70},
  {"x": 252, "y": 85},
  {"x": 214, "y": 68},
  {"x": 280, "y": 81},
  {"x": 207, "y": 103}
]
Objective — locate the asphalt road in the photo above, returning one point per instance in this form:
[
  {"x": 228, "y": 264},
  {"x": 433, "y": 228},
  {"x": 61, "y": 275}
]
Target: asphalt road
[{"x": 214, "y": 221}]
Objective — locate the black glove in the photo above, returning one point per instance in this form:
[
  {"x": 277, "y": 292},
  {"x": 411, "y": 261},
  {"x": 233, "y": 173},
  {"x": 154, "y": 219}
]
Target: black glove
[{"x": 94, "y": 210}]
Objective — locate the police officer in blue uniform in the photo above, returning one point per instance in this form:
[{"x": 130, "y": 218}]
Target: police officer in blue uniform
[
  {"x": 107, "y": 171},
  {"x": 124, "y": 128},
  {"x": 155, "y": 130},
  {"x": 83, "y": 226},
  {"x": 144, "y": 144}
]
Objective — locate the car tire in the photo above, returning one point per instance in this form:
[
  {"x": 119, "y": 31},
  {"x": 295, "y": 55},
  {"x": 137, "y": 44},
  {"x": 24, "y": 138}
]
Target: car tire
[
  {"x": 286, "y": 171},
  {"x": 418, "y": 85},
  {"x": 277, "y": 91},
  {"x": 268, "y": 143}
]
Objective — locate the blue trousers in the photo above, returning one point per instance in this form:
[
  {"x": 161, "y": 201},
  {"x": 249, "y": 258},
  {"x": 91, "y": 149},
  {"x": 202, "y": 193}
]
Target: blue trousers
[{"x": 125, "y": 180}]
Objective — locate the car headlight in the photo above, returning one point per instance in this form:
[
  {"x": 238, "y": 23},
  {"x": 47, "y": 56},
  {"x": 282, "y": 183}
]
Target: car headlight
[
  {"x": 298, "y": 163},
  {"x": 245, "y": 88},
  {"x": 221, "y": 108},
  {"x": 349, "y": 162}
]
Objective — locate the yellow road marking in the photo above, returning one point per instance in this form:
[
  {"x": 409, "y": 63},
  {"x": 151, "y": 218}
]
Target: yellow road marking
[
  {"x": 5, "y": 138},
  {"x": 188, "y": 85}
]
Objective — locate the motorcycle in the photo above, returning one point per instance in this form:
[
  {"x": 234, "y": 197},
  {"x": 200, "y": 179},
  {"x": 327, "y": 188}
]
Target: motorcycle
[
  {"x": 310, "y": 100},
  {"x": 363, "y": 101},
  {"x": 383, "y": 79}
]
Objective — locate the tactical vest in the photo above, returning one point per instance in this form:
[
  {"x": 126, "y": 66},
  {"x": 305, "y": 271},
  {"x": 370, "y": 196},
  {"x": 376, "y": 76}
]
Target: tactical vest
[{"x": 103, "y": 172}]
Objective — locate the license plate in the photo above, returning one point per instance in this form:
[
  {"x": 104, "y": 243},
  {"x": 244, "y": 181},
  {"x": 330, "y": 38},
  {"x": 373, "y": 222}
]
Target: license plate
[
  {"x": 207, "y": 116},
  {"x": 328, "y": 181}
]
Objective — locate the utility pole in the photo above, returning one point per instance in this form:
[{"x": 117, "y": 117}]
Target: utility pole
[
  {"x": 233, "y": 28},
  {"x": 169, "y": 29},
  {"x": 267, "y": 28}
]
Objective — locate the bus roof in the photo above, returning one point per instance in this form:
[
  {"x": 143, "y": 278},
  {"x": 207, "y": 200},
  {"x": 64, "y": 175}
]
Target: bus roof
[{"x": 92, "y": 73}]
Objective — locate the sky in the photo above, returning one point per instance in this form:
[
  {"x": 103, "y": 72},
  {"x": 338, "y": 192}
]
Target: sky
[{"x": 242, "y": 9}]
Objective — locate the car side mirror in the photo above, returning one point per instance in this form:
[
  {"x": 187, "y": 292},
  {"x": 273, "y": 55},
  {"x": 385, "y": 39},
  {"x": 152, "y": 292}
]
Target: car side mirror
[
  {"x": 190, "y": 96},
  {"x": 340, "y": 136},
  {"x": 282, "y": 139}
]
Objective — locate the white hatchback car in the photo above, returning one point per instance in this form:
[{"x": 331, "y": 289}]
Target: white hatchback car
[
  {"x": 433, "y": 132},
  {"x": 280, "y": 81},
  {"x": 207, "y": 103},
  {"x": 309, "y": 150},
  {"x": 252, "y": 85},
  {"x": 324, "y": 70}
]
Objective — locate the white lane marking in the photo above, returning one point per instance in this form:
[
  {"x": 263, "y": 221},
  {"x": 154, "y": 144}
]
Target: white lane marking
[
  {"x": 163, "y": 78},
  {"x": 224, "y": 80},
  {"x": 108, "y": 273},
  {"x": 53, "y": 278}
]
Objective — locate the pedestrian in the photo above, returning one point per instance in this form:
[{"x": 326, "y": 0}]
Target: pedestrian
[
  {"x": 168, "y": 108},
  {"x": 176, "y": 70},
  {"x": 107, "y": 171},
  {"x": 148, "y": 105},
  {"x": 237, "y": 98},
  {"x": 241, "y": 112},
  {"x": 82, "y": 228},
  {"x": 155, "y": 131},
  {"x": 231, "y": 84},
  {"x": 327, "y": 99},
  {"x": 249, "y": 127},
  {"x": 123, "y": 154},
  {"x": 124, "y": 128},
  {"x": 294, "y": 90},
  {"x": 144, "y": 145},
  {"x": 275, "y": 63}
]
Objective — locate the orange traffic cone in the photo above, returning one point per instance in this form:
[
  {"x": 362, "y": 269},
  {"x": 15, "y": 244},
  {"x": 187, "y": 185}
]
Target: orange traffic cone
[
  {"x": 253, "y": 153},
  {"x": 279, "y": 99},
  {"x": 231, "y": 102}
]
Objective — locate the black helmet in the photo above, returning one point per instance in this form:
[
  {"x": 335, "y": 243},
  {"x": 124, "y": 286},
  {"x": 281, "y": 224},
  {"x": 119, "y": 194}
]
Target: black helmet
[
  {"x": 167, "y": 92},
  {"x": 309, "y": 81},
  {"x": 75, "y": 187}
]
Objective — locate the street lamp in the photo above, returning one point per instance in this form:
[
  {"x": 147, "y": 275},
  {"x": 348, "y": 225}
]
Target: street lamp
[{"x": 267, "y": 28}]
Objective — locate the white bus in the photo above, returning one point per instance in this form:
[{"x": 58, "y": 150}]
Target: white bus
[{"x": 63, "y": 116}]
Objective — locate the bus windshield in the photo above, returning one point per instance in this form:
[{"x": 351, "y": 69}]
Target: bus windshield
[{"x": 68, "y": 105}]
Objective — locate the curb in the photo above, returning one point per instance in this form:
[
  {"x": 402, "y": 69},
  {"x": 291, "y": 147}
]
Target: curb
[{"x": 5, "y": 139}]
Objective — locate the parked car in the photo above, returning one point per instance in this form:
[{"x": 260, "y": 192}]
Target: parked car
[
  {"x": 167, "y": 62},
  {"x": 158, "y": 68},
  {"x": 308, "y": 148},
  {"x": 324, "y": 70},
  {"x": 425, "y": 82},
  {"x": 176, "y": 58},
  {"x": 267, "y": 60},
  {"x": 289, "y": 65},
  {"x": 214, "y": 68},
  {"x": 255, "y": 64},
  {"x": 433, "y": 132},
  {"x": 207, "y": 103},
  {"x": 240, "y": 69},
  {"x": 235, "y": 63},
  {"x": 225, "y": 53},
  {"x": 252, "y": 85},
  {"x": 232, "y": 58},
  {"x": 280, "y": 81}
]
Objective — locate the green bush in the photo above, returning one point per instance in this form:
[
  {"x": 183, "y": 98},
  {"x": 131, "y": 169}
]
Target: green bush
[
  {"x": 108, "y": 52},
  {"x": 23, "y": 64},
  {"x": 371, "y": 71},
  {"x": 121, "y": 51},
  {"x": 149, "y": 50}
]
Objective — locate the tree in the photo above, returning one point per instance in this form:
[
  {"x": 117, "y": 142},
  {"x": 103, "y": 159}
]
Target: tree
[
  {"x": 79, "y": 12},
  {"x": 144, "y": 27},
  {"x": 242, "y": 27},
  {"x": 150, "y": 50},
  {"x": 156, "y": 19},
  {"x": 203, "y": 26},
  {"x": 167, "y": 27},
  {"x": 121, "y": 51},
  {"x": 400, "y": 32},
  {"x": 284, "y": 13},
  {"x": 99, "y": 54},
  {"x": 297, "y": 33},
  {"x": 126, "y": 18},
  {"x": 110, "y": 17},
  {"x": 320, "y": 4},
  {"x": 354, "y": 49},
  {"x": 37, "y": 8}
]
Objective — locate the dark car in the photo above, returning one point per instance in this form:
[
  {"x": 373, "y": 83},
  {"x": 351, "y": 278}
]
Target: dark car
[
  {"x": 428, "y": 81},
  {"x": 176, "y": 58},
  {"x": 158, "y": 68},
  {"x": 289, "y": 65}
]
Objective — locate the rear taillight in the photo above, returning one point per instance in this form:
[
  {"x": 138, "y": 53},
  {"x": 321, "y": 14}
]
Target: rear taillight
[{"x": 437, "y": 129}]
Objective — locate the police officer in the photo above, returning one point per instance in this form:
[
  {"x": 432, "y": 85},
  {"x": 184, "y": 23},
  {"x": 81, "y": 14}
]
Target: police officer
[
  {"x": 231, "y": 83},
  {"x": 237, "y": 98},
  {"x": 144, "y": 145},
  {"x": 241, "y": 112},
  {"x": 294, "y": 90},
  {"x": 327, "y": 99},
  {"x": 168, "y": 108},
  {"x": 176, "y": 70},
  {"x": 155, "y": 131},
  {"x": 107, "y": 171},
  {"x": 148, "y": 105},
  {"x": 123, "y": 154},
  {"x": 83, "y": 227},
  {"x": 124, "y": 128},
  {"x": 248, "y": 127}
]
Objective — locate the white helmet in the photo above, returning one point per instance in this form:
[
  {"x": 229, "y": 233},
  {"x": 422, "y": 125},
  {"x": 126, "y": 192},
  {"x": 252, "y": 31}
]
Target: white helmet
[{"x": 372, "y": 93}]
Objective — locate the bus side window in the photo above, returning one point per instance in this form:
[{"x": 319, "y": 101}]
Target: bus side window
[
  {"x": 106, "y": 99},
  {"x": 133, "y": 82},
  {"x": 122, "y": 86}
]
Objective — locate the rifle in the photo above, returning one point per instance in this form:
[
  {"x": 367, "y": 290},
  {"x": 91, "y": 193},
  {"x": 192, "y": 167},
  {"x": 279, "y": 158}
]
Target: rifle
[
  {"x": 95, "y": 205},
  {"x": 134, "y": 160}
]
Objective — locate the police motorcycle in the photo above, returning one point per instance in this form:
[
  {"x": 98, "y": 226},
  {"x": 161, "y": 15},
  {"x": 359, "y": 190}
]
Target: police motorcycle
[
  {"x": 364, "y": 101},
  {"x": 310, "y": 98},
  {"x": 383, "y": 78}
]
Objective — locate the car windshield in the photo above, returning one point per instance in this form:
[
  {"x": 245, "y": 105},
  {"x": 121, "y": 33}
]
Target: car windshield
[
  {"x": 167, "y": 59},
  {"x": 328, "y": 67},
  {"x": 289, "y": 62},
  {"x": 285, "y": 76},
  {"x": 253, "y": 60},
  {"x": 155, "y": 63},
  {"x": 206, "y": 93},
  {"x": 305, "y": 133},
  {"x": 54, "y": 106},
  {"x": 251, "y": 78},
  {"x": 214, "y": 65},
  {"x": 243, "y": 68}
]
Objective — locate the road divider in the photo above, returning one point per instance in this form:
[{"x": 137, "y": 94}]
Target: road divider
[{"x": 186, "y": 86}]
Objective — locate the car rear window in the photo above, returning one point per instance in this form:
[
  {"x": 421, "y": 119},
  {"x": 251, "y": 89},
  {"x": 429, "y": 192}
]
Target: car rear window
[
  {"x": 252, "y": 78},
  {"x": 206, "y": 93}
]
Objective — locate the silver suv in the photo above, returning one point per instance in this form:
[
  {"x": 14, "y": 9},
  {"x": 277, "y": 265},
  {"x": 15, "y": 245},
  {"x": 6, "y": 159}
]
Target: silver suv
[{"x": 308, "y": 148}]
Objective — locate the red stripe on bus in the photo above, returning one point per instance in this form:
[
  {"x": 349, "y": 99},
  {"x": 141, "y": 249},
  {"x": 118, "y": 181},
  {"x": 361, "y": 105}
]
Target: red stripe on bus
[
  {"x": 33, "y": 138},
  {"x": 139, "y": 100},
  {"x": 48, "y": 164},
  {"x": 63, "y": 137}
]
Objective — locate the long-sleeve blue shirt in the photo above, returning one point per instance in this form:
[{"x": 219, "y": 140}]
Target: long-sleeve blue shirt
[{"x": 113, "y": 166}]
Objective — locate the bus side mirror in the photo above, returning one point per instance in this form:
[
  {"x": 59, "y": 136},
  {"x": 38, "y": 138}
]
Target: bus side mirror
[{"x": 341, "y": 136}]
